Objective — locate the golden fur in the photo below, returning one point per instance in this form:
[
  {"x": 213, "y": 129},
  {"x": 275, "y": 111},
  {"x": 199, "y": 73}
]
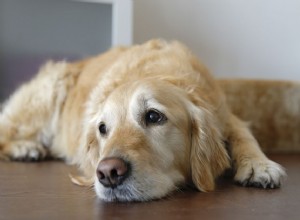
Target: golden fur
[
  {"x": 58, "y": 113},
  {"x": 272, "y": 109}
]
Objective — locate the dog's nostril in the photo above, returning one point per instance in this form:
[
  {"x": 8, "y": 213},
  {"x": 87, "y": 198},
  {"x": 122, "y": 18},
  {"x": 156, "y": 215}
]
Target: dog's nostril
[
  {"x": 100, "y": 175},
  {"x": 112, "y": 172}
]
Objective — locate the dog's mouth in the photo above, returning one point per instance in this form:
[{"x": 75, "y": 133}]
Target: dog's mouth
[
  {"x": 126, "y": 192},
  {"x": 140, "y": 189},
  {"x": 117, "y": 195}
]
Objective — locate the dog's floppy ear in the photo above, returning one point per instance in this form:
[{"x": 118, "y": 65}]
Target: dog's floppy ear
[
  {"x": 87, "y": 157},
  {"x": 208, "y": 156}
]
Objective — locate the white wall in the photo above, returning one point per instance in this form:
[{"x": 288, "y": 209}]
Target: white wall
[{"x": 235, "y": 38}]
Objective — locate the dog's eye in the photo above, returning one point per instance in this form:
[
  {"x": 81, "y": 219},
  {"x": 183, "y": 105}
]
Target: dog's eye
[
  {"x": 102, "y": 129},
  {"x": 154, "y": 117}
]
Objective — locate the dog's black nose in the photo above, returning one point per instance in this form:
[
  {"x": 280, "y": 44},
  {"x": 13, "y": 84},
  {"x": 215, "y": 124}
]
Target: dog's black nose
[{"x": 112, "y": 172}]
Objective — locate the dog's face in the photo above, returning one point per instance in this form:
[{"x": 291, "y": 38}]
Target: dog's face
[
  {"x": 146, "y": 139},
  {"x": 148, "y": 133}
]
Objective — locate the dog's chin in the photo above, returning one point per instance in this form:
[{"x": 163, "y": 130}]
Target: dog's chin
[
  {"x": 123, "y": 193},
  {"x": 131, "y": 191}
]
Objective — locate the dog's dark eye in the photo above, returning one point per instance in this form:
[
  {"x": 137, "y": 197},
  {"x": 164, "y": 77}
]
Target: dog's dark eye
[
  {"x": 154, "y": 117},
  {"x": 102, "y": 129}
]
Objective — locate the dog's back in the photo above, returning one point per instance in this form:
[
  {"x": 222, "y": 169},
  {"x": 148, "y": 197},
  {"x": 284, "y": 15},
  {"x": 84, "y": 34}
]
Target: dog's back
[{"x": 272, "y": 109}]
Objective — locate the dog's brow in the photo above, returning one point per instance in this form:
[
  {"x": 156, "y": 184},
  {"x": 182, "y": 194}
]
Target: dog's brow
[{"x": 143, "y": 101}]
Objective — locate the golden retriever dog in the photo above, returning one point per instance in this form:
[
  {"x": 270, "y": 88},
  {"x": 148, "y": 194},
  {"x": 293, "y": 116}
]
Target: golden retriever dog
[{"x": 140, "y": 122}]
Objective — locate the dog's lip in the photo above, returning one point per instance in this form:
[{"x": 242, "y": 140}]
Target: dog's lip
[
  {"x": 126, "y": 192},
  {"x": 118, "y": 195}
]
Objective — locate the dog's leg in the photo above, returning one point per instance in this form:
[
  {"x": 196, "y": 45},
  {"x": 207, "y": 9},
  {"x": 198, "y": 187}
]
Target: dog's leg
[
  {"x": 23, "y": 150},
  {"x": 27, "y": 114},
  {"x": 252, "y": 167},
  {"x": 20, "y": 124}
]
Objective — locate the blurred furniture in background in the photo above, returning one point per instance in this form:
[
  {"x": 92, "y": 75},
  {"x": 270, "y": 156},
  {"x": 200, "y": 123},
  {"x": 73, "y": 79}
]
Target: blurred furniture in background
[{"x": 32, "y": 32}]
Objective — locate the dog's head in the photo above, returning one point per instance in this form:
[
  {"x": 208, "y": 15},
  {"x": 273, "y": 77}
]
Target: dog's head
[{"x": 148, "y": 137}]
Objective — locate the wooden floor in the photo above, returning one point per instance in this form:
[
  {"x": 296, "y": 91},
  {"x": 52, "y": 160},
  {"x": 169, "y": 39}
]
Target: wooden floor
[{"x": 44, "y": 191}]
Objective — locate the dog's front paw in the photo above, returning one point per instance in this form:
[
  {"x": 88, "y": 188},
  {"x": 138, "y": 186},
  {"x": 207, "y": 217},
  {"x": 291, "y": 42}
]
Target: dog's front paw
[
  {"x": 261, "y": 173},
  {"x": 23, "y": 151}
]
